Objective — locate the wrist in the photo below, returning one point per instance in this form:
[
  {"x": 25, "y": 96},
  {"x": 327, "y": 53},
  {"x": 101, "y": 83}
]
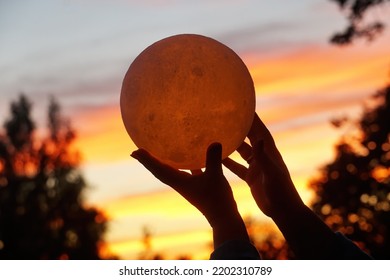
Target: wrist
[
  {"x": 221, "y": 211},
  {"x": 289, "y": 212},
  {"x": 229, "y": 227},
  {"x": 228, "y": 220}
]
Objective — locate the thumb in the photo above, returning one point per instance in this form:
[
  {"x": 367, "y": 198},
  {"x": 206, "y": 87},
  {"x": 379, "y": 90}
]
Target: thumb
[{"x": 214, "y": 159}]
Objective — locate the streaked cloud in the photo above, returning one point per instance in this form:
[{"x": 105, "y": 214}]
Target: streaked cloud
[{"x": 79, "y": 52}]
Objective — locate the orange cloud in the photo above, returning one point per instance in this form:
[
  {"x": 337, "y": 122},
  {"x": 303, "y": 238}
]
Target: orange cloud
[
  {"x": 168, "y": 203},
  {"x": 102, "y": 136},
  {"x": 320, "y": 69},
  {"x": 195, "y": 242}
]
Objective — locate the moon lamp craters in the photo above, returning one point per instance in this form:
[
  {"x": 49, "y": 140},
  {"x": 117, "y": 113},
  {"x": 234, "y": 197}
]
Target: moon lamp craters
[{"x": 182, "y": 94}]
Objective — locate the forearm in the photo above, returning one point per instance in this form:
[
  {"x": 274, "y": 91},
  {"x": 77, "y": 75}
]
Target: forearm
[
  {"x": 231, "y": 240},
  {"x": 308, "y": 236},
  {"x": 229, "y": 227}
]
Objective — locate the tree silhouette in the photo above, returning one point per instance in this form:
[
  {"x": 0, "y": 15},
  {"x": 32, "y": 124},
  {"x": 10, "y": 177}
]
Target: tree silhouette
[
  {"x": 274, "y": 248},
  {"x": 42, "y": 215},
  {"x": 353, "y": 192},
  {"x": 357, "y": 28}
]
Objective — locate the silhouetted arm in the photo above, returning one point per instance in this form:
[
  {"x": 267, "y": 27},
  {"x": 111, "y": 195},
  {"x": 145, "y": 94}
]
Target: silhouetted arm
[
  {"x": 275, "y": 194},
  {"x": 208, "y": 191}
]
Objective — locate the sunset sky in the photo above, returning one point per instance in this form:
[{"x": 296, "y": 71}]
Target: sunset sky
[{"x": 79, "y": 51}]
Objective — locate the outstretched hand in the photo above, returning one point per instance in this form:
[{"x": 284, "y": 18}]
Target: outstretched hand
[
  {"x": 275, "y": 194},
  {"x": 267, "y": 174},
  {"x": 208, "y": 191}
]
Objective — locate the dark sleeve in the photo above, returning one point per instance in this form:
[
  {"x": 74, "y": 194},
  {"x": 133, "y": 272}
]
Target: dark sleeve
[
  {"x": 347, "y": 250},
  {"x": 235, "y": 250}
]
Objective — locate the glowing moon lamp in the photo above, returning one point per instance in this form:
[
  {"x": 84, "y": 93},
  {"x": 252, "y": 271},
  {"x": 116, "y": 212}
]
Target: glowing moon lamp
[{"x": 183, "y": 93}]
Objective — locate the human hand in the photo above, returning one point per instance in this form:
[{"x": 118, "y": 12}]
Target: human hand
[
  {"x": 208, "y": 191},
  {"x": 275, "y": 194},
  {"x": 267, "y": 174}
]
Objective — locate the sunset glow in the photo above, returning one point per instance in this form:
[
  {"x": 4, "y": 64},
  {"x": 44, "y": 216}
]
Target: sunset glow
[{"x": 80, "y": 57}]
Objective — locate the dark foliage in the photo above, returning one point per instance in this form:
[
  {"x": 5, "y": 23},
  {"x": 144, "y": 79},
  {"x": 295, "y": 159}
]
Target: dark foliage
[
  {"x": 353, "y": 192},
  {"x": 41, "y": 204},
  {"x": 355, "y": 10}
]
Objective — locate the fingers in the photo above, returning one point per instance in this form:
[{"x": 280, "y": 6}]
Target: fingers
[
  {"x": 245, "y": 151},
  {"x": 214, "y": 158},
  {"x": 161, "y": 171},
  {"x": 238, "y": 169},
  {"x": 255, "y": 130},
  {"x": 270, "y": 163},
  {"x": 259, "y": 131},
  {"x": 259, "y": 153}
]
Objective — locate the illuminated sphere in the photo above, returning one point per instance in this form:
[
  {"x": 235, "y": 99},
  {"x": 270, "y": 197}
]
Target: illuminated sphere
[{"x": 183, "y": 93}]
